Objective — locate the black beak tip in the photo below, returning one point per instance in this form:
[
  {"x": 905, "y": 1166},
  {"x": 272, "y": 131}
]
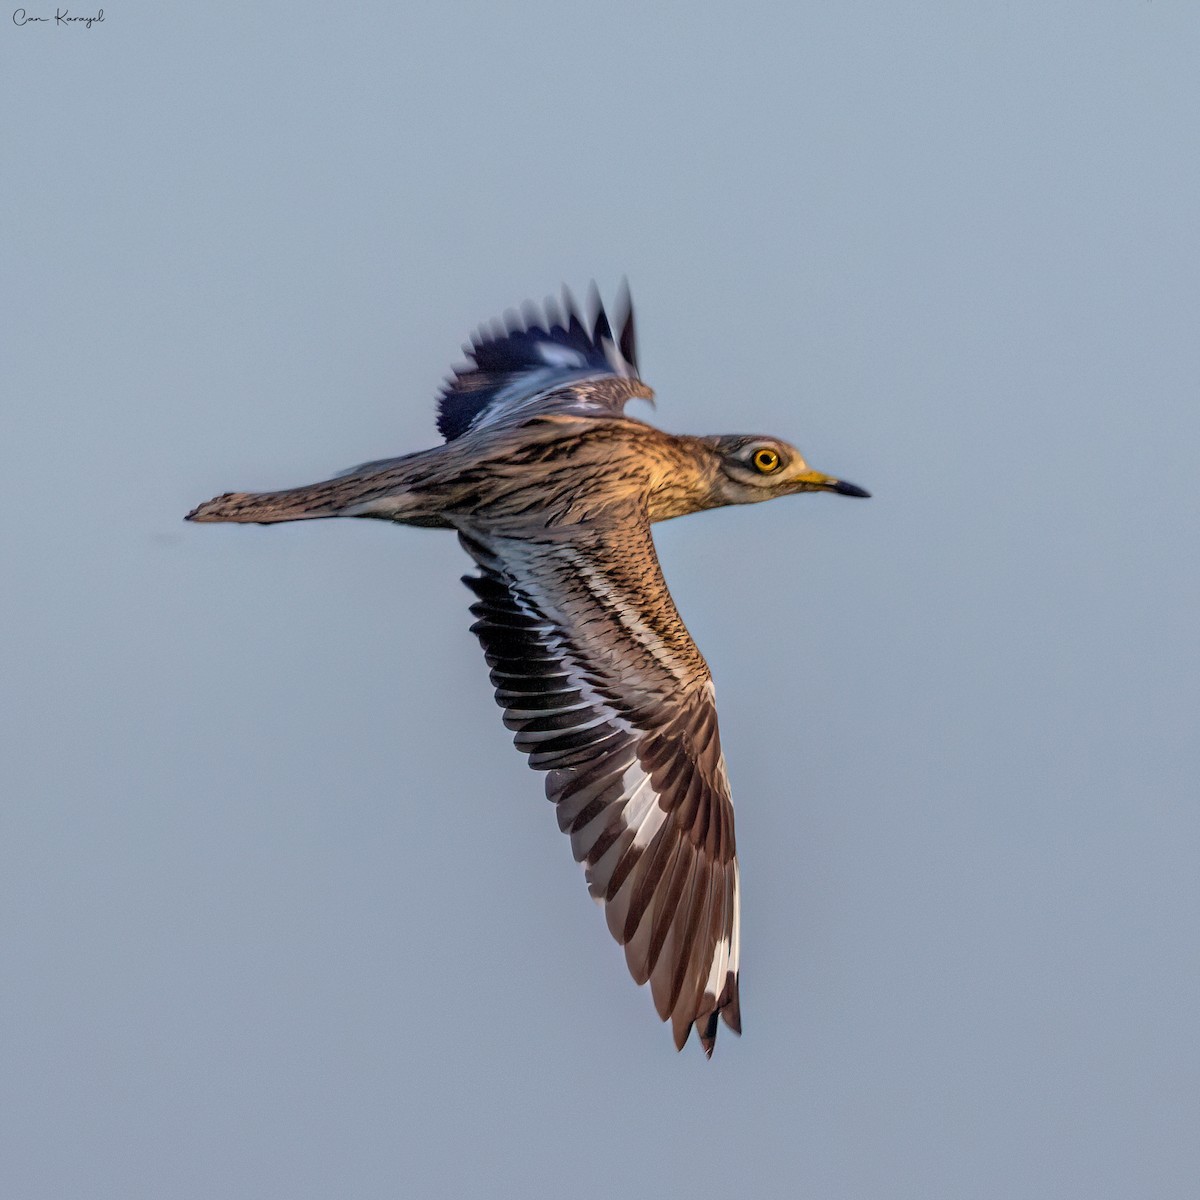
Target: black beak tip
[{"x": 849, "y": 489}]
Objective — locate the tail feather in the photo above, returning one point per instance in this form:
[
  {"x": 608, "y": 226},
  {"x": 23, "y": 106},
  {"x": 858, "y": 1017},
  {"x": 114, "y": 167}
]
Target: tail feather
[
  {"x": 394, "y": 489},
  {"x": 380, "y": 489},
  {"x": 267, "y": 508}
]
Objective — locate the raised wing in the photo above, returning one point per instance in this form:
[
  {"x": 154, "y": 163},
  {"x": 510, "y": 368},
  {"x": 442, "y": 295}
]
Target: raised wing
[
  {"x": 606, "y": 692},
  {"x": 535, "y": 356}
]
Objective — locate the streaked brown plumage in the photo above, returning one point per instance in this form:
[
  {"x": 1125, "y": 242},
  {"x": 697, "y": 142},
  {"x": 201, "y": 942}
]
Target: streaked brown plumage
[{"x": 552, "y": 490}]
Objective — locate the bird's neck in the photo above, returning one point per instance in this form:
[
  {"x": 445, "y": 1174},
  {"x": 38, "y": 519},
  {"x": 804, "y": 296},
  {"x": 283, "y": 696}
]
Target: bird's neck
[{"x": 682, "y": 479}]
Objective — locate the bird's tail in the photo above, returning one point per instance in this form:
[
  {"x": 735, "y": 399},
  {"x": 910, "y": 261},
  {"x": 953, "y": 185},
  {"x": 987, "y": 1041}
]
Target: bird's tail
[
  {"x": 376, "y": 489},
  {"x": 413, "y": 490},
  {"x": 266, "y": 508}
]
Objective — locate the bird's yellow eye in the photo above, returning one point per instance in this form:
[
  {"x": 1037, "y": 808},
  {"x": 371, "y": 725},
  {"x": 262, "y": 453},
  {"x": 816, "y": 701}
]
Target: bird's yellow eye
[{"x": 766, "y": 460}]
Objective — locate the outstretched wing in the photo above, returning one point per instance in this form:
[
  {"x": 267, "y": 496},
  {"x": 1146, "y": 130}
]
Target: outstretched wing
[
  {"x": 517, "y": 365},
  {"x": 606, "y": 692}
]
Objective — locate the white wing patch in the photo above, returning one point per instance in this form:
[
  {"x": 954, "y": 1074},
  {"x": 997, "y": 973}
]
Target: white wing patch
[{"x": 554, "y": 355}]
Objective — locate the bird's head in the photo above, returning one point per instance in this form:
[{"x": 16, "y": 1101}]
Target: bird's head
[{"x": 750, "y": 469}]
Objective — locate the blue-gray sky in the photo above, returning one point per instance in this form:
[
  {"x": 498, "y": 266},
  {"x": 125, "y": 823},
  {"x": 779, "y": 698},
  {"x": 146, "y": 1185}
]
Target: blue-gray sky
[{"x": 284, "y": 914}]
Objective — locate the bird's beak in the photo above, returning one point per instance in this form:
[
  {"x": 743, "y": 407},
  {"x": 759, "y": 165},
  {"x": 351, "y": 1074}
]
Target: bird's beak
[{"x": 816, "y": 481}]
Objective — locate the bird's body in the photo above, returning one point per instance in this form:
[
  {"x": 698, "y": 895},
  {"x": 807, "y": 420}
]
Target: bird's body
[{"x": 552, "y": 490}]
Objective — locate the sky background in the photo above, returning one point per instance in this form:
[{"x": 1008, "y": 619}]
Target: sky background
[{"x": 282, "y": 913}]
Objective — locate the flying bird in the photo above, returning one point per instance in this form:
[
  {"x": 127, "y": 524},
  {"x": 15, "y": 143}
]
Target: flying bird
[{"x": 552, "y": 490}]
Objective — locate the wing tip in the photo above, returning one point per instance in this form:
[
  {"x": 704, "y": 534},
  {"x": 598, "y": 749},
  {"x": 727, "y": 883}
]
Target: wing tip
[
  {"x": 707, "y": 1022},
  {"x": 727, "y": 1009},
  {"x": 730, "y": 1006}
]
